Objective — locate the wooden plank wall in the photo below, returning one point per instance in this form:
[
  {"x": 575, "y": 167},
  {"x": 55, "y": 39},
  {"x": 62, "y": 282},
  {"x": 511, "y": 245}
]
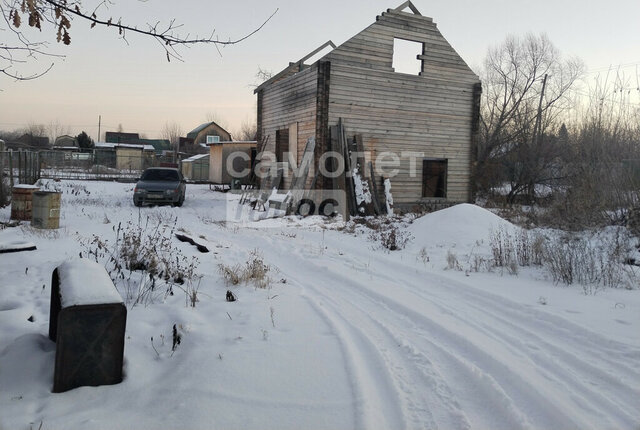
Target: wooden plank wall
[
  {"x": 215, "y": 164},
  {"x": 430, "y": 113},
  {"x": 291, "y": 100}
]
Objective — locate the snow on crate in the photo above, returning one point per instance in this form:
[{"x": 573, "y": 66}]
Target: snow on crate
[
  {"x": 461, "y": 225},
  {"x": 16, "y": 246},
  {"x": 85, "y": 283}
]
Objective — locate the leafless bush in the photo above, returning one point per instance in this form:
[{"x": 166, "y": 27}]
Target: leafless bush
[
  {"x": 254, "y": 271},
  {"x": 191, "y": 290},
  {"x": 423, "y": 255},
  {"x": 478, "y": 263},
  {"x": 519, "y": 248},
  {"x": 390, "y": 236},
  {"x": 593, "y": 264},
  {"x": 143, "y": 262},
  {"x": 452, "y": 261},
  {"x": 386, "y": 232},
  {"x": 502, "y": 247},
  {"x": 231, "y": 274}
]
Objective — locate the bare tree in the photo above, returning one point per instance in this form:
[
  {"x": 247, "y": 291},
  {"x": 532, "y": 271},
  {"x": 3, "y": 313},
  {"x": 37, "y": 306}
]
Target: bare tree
[
  {"x": 604, "y": 171},
  {"x": 57, "y": 17},
  {"x": 248, "y": 130},
  {"x": 36, "y": 130},
  {"x": 56, "y": 129},
  {"x": 262, "y": 75},
  {"x": 172, "y": 131},
  {"x": 214, "y": 116},
  {"x": 526, "y": 86},
  {"x": 10, "y": 135}
]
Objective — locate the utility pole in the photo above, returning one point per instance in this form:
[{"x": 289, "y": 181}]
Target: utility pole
[{"x": 99, "y": 123}]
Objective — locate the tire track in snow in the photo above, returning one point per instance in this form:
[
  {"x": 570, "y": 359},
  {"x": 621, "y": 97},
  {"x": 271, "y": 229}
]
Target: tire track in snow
[
  {"x": 445, "y": 366},
  {"x": 589, "y": 398},
  {"x": 488, "y": 362},
  {"x": 586, "y": 368},
  {"x": 384, "y": 371},
  {"x": 370, "y": 380}
]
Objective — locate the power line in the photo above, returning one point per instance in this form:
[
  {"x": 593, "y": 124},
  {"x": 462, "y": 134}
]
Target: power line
[
  {"x": 106, "y": 126},
  {"x": 611, "y": 67}
]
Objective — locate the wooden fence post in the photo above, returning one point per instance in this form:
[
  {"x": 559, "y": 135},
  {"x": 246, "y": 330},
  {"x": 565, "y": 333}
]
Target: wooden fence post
[{"x": 11, "y": 168}]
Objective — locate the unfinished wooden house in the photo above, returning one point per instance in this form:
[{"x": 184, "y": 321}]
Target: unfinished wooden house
[{"x": 427, "y": 117}]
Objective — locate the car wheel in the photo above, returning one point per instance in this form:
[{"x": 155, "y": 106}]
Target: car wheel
[
  {"x": 137, "y": 202},
  {"x": 180, "y": 202}
]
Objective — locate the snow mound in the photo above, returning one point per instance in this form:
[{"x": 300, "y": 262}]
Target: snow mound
[{"x": 461, "y": 225}]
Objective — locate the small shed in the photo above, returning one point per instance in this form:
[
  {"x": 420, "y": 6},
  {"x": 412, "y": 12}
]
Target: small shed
[
  {"x": 231, "y": 160},
  {"x": 196, "y": 168},
  {"x": 129, "y": 156}
]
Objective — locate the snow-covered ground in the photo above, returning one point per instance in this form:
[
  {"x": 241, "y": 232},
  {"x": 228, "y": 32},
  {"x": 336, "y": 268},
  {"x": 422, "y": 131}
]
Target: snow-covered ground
[{"x": 347, "y": 336}]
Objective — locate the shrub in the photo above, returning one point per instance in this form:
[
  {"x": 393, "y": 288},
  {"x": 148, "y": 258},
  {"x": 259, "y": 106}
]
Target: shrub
[
  {"x": 519, "y": 248},
  {"x": 142, "y": 260},
  {"x": 594, "y": 263},
  {"x": 254, "y": 271},
  {"x": 452, "y": 261},
  {"x": 390, "y": 236}
]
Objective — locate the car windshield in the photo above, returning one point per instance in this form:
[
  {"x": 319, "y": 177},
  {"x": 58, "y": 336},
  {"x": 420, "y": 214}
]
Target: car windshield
[{"x": 160, "y": 175}]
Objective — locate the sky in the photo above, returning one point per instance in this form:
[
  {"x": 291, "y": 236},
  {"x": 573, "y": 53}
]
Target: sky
[{"x": 131, "y": 84}]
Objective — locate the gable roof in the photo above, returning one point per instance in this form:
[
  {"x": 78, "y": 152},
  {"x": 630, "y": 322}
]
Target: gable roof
[
  {"x": 409, "y": 5},
  {"x": 438, "y": 54},
  {"x": 194, "y": 133},
  {"x": 66, "y": 141}
]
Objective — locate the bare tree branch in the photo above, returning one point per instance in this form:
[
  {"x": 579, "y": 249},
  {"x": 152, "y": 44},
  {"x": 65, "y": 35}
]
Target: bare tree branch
[{"x": 57, "y": 15}]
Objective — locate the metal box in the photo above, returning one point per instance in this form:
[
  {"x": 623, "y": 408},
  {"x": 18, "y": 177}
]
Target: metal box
[
  {"x": 21, "y": 201},
  {"x": 87, "y": 322},
  {"x": 46, "y": 209}
]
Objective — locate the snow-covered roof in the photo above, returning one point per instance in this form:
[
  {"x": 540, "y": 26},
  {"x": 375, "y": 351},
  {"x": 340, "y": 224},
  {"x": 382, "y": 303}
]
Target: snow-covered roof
[
  {"x": 232, "y": 142},
  {"x": 26, "y": 187},
  {"x": 85, "y": 282},
  {"x": 193, "y": 134},
  {"x": 124, "y": 145},
  {"x": 104, "y": 145},
  {"x": 196, "y": 157}
]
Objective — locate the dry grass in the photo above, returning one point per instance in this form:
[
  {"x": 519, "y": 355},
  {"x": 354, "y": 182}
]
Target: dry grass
[{"x": 254, "y": 271}]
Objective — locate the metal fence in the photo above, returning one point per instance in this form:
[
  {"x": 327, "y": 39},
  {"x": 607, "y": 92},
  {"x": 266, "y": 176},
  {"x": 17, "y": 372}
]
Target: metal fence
[
  {"x": 17, "y": 167},
  {"x": 98, "y": 164},
  {"x": 26, "y": 167}
]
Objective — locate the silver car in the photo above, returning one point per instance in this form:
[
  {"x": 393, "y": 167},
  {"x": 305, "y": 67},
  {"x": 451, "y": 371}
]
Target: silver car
[{"x": 160, "y": 185}]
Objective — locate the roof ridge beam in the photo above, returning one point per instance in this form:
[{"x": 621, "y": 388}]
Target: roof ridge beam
[{"x": 410, "y": 6}]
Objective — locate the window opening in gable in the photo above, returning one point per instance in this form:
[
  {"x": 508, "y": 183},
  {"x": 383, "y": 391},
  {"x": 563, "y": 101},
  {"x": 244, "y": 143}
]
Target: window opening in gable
[
  {"x": 213, "y": 139},
  {"x": 405, "y": 56}
]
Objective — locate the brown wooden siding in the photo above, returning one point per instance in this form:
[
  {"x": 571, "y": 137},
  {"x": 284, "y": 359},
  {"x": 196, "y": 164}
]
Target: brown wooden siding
[
  {"x": 430, "y": 114},
  {"x": 289, "y": 101}
]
